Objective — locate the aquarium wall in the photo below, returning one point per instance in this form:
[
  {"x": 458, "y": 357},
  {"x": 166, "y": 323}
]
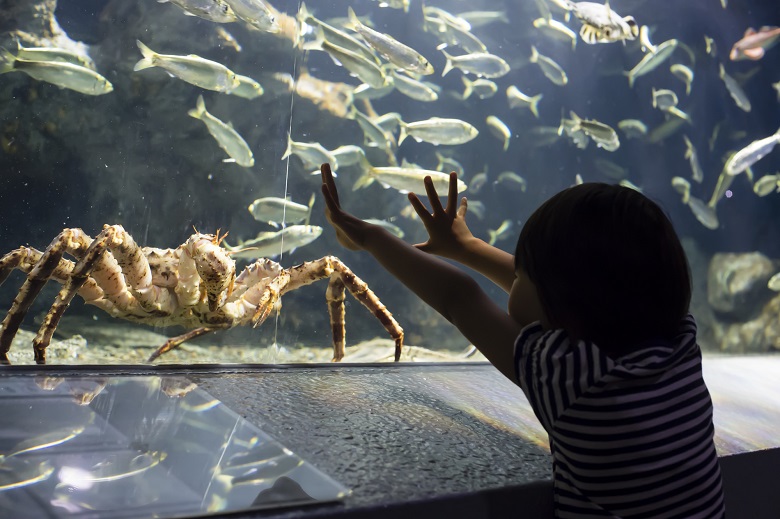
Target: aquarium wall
[{"x": 210, "y": 118}]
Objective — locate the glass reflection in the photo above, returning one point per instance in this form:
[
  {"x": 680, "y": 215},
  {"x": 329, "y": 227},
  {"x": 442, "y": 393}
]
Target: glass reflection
[{"x": 140, "y": 447}]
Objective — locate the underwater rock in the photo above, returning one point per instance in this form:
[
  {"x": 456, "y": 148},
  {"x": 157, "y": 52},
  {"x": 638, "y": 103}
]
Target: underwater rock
[
  {"x": 760, "y": 335},
  {"x": 736, "y": 284}
]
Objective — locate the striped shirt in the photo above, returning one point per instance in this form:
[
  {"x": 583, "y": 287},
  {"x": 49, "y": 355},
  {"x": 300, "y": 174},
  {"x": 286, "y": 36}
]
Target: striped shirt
[{"x": 630, "y": 437}]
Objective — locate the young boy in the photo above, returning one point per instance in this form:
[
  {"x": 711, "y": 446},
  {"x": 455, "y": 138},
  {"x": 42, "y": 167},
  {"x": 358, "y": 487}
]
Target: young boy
[{"x": 604, "y": 347}]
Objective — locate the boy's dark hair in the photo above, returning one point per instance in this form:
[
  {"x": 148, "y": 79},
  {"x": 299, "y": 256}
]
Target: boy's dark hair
[{"x": 607, "y": 265}]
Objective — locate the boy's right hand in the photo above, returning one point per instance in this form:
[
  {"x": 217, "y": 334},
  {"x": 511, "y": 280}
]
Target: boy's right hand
[{"x": 447, "y": 229}]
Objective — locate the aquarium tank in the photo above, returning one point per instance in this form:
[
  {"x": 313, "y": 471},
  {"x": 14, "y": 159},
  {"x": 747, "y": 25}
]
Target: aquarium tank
[{"x": 144, "y": 140}]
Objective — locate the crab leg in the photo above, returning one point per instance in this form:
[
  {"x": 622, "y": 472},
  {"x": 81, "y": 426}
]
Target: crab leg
[
  {"x": 175, "y": 342},
  {"x": 76, "y": 280},
  {"x": 32, "y": 286},
  {"x": 331, "y": 266},
  {"x": 335, "y": 295}
]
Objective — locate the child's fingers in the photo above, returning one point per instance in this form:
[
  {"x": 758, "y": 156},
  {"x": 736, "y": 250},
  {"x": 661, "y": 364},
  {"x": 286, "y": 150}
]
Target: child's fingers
[
  {"x": 330, "y": 203},
  {"x": 327, "y": 179},
  {"x": 452, "y": 194},
  {"x": 420, "y": 208},
  {"x": 464, "y": 205},
  {"x": 433, "y": 196}
]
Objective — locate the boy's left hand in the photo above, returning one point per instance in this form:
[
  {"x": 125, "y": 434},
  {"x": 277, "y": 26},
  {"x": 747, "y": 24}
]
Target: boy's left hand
[{"x": 350, "y": 231}]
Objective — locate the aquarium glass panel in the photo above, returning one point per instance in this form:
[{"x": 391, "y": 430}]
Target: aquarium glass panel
[
  {"x": 140, "y": 447},
  {"x": 187, "y": 136}
]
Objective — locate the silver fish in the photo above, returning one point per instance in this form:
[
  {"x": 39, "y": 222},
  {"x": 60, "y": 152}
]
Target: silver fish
[
  {"x": 449, "y": 164},
  {"x": 481, "y": 64},
  {"x": 275, "y": 211},
  {"x": 610, "y": 169},
  {"x": 257, "y": 13},
  {"x": 704, "y": 213},
  {"x": 500, "y": 233},
  {"x": 499, "y": 129},
  {"x": 374, "y": 135},
  {"x": 410, "y": 87},
  {"x": 366, "y": 91},
  {"x": 557, "y": 30},
  {"x": 664, "y": 99},
  {"x": 551, "y": 69},
  {"x": 366, "y": 70},
  {"x": 311, "y": 153},
  {"x": 228, "y": 39},
  {"x": 213, "y": 10},
  {"x": 391, "y": 49},
  {"x": 651, "y": 61},
  {"x": 683, "y": 187},
  {"x": 389, "y": 122},
  {"x": 247, "y": 88},
  {"x": 446, "y": 17},
  {"x": 348, "y": 155},
  {"x": 482, "y": 88},
  {"x": 603, "y": 135},
  {"x": 665, "y": 129},
  {"x": 735, "y": 91},
  {"x": 751, "y": 154},
  {"x": 693, "y": 159},
  {"x": 53, "y": 54},
  {"x": 516, "y": 98},
  {"x": 389, "y": 227},
  {"x": 407, "y": 180},
  {"x": 334, "y": 35},
  {"x": 478, "y": 181},
  {"x": 192, "y": 69},
  {"x": 63, "y": 74},
  {"x": 227, "y": 138},
  {"x": 476, "y": 208},
  {"x": 685, "y": 75},
  {"x": 438, "y": 130},
  {"x": 767, "y": 184},
  {"x": 274, "y": 243},
  {"x": 633, "y": 128},
  {"x": 512, "y": 180},
  {"x": 481, "y": 18}
]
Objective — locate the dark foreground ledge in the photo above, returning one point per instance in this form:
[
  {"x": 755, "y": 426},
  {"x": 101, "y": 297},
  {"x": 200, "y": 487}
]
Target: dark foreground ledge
[{"x": 454, "y": 440}]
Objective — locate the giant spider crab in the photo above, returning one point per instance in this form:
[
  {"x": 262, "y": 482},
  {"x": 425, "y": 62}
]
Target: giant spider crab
[{"x": 194, "y": 285}]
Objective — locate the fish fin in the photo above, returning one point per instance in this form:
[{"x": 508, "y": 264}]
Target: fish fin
[
  {"x": 311, "y": 204},
  {"x": 754, "y": 54},
  {"x": 365, "y": 180},
  {"x": 402, "y": 135},
  {"x": 186, "y": 13},
  {"x": 750, "y": 31},
  {"x": 630, "y": 77},
  {"x": 199, "y": 110},
  {"x": 288, "y": 151},
  {"x": 353, "y": 23},
  {"x": 492, "y": 236},
  {"x": 163, "y": 1},
  {"x": 534, "y": 106},
  {"x": 534, "y": 55},
  {"x": 6, "y": 60},
  {"x": 148, "y": 58},
  {"x": 448, "y": 66},
  {"x": 469, "y": 87},
  {"x": 229, "y": 160}
]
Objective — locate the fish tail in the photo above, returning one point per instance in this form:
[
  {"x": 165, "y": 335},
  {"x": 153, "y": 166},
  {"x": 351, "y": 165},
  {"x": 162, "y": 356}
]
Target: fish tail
[
  {"x": 534, "y": 106},
  {"x": 402, "y": 134},
  {"x": 7, "y": 60},
  {"x": 493, "y": 235},
  {"x": 311, "y": 204},
  {"x": 365, "y": 180},
  {"x": 448, "y": 66},
  {"x": 469, "y": 87},
  {"x": 199, "y": 110},
  {"x": 353, "y": 23},
  {"x": 630, "y": 77},
  {"x": 288, "y": 151},
  {"x": 534, "y": 55},
  {"x": 148, "y": 59},
  {"x": 319, "y": 39}
]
